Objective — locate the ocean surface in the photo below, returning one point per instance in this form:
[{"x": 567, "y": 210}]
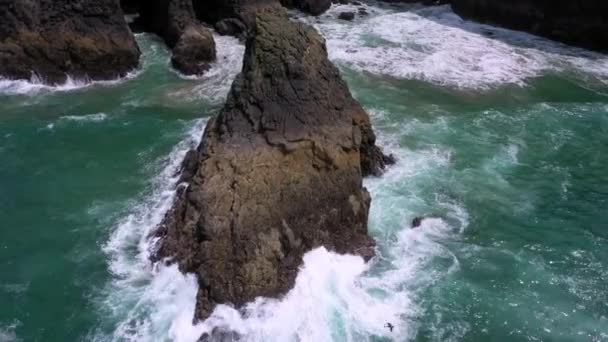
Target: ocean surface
[{"x": 502, "y": 142}]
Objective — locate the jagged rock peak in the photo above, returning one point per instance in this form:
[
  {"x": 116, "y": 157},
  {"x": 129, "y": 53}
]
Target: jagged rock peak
[{"x": 278, "y": 172}]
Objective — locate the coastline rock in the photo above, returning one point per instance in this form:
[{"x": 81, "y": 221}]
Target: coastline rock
[
  {"x": 581, "y": 23},
  {"x": 241, "y": 13},
  {"x": 314, "y": 7},
  {"x": 194, "y": 51},
  {"x": 174, "y": 20},
  {"x": 230, "y": 27},
  {"x": 85, "y": 39},
  {"x": 278, "y": 172}
]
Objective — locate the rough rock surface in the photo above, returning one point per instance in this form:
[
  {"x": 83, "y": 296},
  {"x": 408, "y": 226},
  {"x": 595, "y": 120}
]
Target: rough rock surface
[
  {"x": 174, "y": 20},
  {"x": 278, "y": 172},
  {"x": 194, "y": 51},
  {"x": 81, "y": 38},
  {"x": 582, "y": 23}
]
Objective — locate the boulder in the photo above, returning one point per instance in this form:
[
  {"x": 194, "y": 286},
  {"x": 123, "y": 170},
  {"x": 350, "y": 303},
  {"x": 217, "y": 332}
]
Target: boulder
[
  {"x": 53, "y": 39},
  {"x": 581, "y": 23},
  {"x": 349, "y": 16},
  {"x": 278, "y": 172},
  {"x": 175, "y": 21},
  {"x": 194, "y": 51}
]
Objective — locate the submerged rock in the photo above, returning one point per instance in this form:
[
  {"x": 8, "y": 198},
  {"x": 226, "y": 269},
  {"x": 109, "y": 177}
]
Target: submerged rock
[
  {"x": 278, "y": 172},
  {"x": 582, "y": 23},
  {"x": 52, "y": 39},
  {"x": 348, "y": 16}
]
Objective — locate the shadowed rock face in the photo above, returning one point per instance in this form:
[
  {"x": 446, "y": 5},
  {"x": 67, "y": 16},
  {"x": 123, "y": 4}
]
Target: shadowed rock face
[
  {"x": 241, "y": 13},
  {"x": 82, "y": 38},
  {"x": 278, "y": 172},
  {"x": 174, "y": 20},
  {"x": 314, "y": 7},
  {"x": 577, "y": 22}
]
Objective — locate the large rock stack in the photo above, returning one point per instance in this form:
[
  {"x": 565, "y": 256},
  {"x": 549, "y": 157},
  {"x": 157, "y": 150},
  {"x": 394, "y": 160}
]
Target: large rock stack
[{"x": 278, "y": 172}]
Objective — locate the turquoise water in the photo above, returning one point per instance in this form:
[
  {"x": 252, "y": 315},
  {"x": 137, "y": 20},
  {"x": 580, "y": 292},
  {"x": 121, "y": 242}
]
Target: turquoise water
[{"x": 501, "y": 142}]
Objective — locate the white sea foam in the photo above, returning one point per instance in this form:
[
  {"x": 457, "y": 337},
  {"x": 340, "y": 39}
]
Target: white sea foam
[
  {"x": 97, "y": 117},
  {"x": 7, "y": 332},
  {"x": 433, "y": 44},
  {"x": 35, "y": 86}
]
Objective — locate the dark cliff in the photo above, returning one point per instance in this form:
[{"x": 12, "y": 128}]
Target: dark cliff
[
  {"x": 577, "y": 22},
  {"x": 278, "y": 172}
]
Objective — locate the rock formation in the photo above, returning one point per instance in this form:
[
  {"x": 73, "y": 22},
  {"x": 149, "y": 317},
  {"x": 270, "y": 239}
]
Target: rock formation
[
  {"x": 240, "y": 13},
  {"x": 314, "y": 7},
  {"x": 237, "y": 17},
  {"x": 582, "y": 23},
  {"x": 53, "y": 39},
  {"x": 174, "y": 20},
  {"x": 278, "y": 172}
]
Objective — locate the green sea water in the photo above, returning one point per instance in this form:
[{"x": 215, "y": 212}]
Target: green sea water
[{"x": 502, "y": 146}]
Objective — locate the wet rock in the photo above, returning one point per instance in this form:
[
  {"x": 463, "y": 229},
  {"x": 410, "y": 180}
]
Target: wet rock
[
  {"x": 362, "y": 11},
  {"x": 279, "y": 172},
  {"x": 175, "y": 21},
  {"x": 194, "y": 51},
  {"x": 417, "y": 221},
  {"x": 349, "y": 16},
  {"x": 53, "y": 39},
  {"x": 230, "y": 27},
  {"x": 581, "y": 23}
]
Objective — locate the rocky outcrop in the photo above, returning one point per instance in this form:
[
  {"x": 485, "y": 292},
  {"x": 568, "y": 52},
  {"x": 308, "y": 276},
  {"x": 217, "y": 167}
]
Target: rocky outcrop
[
  {"x": 237, "y": 17},
  {"x": 241, "y": 13},
  {"x": 581, "y": 23},
  {"x": 314, "y": 7},
  {"x": 278, "y": 172},
  {"x": 86, "y": 39},
  {"x": 174, "y": 20}
]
